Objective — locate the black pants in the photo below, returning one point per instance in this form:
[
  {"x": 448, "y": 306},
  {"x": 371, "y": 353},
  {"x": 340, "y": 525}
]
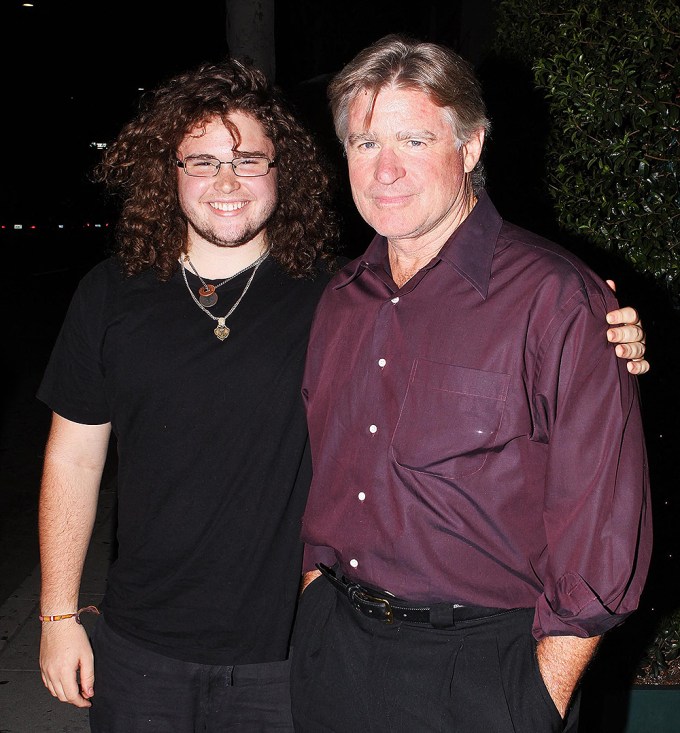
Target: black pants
[
  {"x": 139, "y": 691},
  {"x": 352, "y": 674}
]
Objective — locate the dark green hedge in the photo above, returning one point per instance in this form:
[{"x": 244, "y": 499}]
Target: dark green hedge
[{"x": 611, "y": 77}]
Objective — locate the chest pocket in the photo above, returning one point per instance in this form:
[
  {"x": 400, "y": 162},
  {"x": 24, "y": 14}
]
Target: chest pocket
[{"x": 449, "y": 419}]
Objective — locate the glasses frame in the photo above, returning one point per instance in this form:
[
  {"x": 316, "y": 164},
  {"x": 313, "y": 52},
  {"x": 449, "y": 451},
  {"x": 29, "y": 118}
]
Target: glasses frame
[{"x": 271, "y": 163}]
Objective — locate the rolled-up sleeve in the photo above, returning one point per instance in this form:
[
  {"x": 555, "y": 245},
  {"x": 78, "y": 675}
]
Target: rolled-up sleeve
[{"x": 596, "y": 511}]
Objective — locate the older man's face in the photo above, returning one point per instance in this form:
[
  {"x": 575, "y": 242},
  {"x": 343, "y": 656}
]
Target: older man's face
[{"x": 407, "y": 177}]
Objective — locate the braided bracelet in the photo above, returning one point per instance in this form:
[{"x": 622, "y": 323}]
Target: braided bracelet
[{"x": 62, "y": 616}]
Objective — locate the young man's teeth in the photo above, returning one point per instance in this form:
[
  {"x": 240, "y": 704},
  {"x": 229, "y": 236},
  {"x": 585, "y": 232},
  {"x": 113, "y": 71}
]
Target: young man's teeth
[{"x": 228, "y": 207}]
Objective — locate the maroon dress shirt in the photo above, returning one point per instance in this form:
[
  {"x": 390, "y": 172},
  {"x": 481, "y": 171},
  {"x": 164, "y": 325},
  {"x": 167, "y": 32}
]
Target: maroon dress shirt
[{"x": 475, "y": 439}]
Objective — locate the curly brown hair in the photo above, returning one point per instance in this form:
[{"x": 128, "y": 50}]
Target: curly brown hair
[{"x": 141, "y": 165}]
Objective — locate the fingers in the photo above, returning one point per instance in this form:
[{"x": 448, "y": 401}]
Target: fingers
[
  {"x": 624, "y": 315},
  {"x": 611, "y": 284},
  {"x": 638, "y": 367},
  {"x": 307, "y": 578},
  {"x": 628, "y": 334},
  {"x": 87, "y": 678},
  {"x": 64, "y": 652},
  {"x": 635, "y": 350},
  {"x": 65, "y": 688},
  {"x": 629, "y": 337}
]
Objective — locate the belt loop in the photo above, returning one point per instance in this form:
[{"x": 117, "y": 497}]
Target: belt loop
[
  {"x": 442, "y": 615},
  {"x": 228, "y": 676}
]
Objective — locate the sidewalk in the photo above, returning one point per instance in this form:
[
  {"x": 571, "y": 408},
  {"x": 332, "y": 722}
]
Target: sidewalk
[{"x": 25, "y": 705}]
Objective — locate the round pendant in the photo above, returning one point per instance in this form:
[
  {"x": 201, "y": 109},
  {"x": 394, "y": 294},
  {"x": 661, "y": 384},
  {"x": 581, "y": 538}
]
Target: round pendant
[
  {"x": 208, "y": 301},
  {"x": 207, "y": 296}
]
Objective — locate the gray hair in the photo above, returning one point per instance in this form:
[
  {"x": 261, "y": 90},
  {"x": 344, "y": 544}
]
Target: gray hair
[{"x": 404, "y": 63}]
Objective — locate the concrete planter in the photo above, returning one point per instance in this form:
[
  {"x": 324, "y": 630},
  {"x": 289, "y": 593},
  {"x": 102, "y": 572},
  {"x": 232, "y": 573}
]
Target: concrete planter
[{"x": 654, "y": 709}]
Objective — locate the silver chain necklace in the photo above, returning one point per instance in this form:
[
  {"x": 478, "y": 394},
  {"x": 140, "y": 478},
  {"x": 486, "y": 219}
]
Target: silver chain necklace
[
  {"x": 206, "y": 293},
  {"x": 222, "y": 330}
]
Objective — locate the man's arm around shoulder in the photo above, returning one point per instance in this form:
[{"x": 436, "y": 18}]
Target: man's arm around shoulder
[{"x": 74, "y": 461}]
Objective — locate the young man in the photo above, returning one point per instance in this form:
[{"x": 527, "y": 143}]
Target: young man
[
  {"x": 189, "y": 345},
  {"x": 479, "y": 505}
]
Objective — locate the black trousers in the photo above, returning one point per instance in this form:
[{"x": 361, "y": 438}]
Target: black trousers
[
  {"x": 138, "y": 690},
  {"x": 353, "y": 674}
]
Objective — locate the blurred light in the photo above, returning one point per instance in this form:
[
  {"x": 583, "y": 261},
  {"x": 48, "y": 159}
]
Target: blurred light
[
  {"x": 48, "y": 227},
  {"x": 98, "y": 146}
]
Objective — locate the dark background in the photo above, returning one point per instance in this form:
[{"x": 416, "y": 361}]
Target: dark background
[{"x": 73, "y": 74}]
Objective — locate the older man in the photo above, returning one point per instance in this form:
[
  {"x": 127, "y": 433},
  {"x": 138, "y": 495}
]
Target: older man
[{"x": 479, "y": 506}]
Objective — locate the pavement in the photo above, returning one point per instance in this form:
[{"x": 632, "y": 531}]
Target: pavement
[
  {"x": 25, "y": 705},
  {"x": 33, "y": 304}
]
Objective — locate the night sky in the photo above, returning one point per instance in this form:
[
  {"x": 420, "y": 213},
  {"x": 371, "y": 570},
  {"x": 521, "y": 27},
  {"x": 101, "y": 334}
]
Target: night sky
[{"x": 75, "y": 75}]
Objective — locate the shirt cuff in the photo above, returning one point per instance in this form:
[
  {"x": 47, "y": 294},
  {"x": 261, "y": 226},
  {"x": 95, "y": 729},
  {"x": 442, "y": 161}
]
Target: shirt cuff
[{"x": 573, "y": 609}]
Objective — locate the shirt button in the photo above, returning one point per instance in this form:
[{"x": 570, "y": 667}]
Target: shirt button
[
  {"x": 354, "y": 563},
  {"x": 373, "y": 429},
  {"x": 382, "y": 362},
  {"x": 361, "y": 496},
  {"x": 395, "y": 300}
]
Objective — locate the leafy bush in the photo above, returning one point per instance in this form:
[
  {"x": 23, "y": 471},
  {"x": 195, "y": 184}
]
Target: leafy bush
[
  {"x": 661, "y": 660},
  {"x": 611, "y": 77}
]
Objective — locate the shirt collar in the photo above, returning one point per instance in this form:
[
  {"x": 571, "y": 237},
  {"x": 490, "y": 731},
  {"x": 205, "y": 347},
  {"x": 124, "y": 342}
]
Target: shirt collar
[{"x": 469, "y": 250}]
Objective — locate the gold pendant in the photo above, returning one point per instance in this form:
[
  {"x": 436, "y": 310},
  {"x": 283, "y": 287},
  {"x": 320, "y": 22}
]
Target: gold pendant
[{"x": 221, "y": 330}]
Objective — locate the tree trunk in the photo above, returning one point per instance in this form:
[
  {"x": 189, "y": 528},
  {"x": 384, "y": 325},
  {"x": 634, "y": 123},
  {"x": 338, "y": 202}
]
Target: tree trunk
[{"x": 250, "y": 33}]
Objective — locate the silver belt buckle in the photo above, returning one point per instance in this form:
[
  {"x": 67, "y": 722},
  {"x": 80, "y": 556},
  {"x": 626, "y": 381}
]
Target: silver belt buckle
[{"x": 366, "y": 597}]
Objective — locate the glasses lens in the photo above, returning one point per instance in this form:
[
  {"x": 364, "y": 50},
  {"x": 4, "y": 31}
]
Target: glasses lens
[
  {"x": 251, "y": 166},
  {"x": 202, "y": 167}
]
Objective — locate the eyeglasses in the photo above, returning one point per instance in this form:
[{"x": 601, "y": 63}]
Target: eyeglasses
[{"x": 207, "y": 167}]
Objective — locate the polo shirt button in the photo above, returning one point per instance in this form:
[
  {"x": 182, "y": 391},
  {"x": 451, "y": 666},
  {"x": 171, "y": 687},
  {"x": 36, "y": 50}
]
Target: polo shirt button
[
  {"x": 395, "y": 300},
  {"x": 382, "y": 362},
  {"x": 354, "y": 563},
  {"x": 361, "y": 496},
  {"x": 373, "y": 429}
]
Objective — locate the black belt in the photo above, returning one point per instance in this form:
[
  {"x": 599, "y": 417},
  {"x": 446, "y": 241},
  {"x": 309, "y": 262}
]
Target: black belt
[{"x": 383, "y": 606}]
